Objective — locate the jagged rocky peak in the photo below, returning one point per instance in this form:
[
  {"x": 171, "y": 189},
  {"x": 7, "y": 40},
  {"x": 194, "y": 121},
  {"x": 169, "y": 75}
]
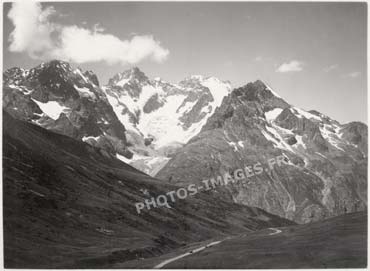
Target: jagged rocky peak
[
  {"x": 196, "y": 78},
  {"x": 255, "y": 91},
  {"x": 260, "y": 93},
  {"x": 165, "y": 85},
  {"x": 46, "y": 71},
  {"x": 159, "y": 80},
  {"x": 58, "y": 97},
  {"x": 132, "y": 75},
  {"x": 200, "y": 81},
  {"x": 55, "y": 64},
  {"x": 52, "y": 70}
]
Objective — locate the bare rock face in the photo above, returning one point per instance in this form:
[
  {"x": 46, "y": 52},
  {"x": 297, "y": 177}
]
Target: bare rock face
[
  {"x": 324, "y": 172},
  {"x": 356, "y": 133},
  {"x": 70, "y": 102}
]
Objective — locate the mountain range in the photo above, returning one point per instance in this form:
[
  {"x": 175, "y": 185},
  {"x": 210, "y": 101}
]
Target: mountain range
[
  {"x": 200, "y": 128},
  {"x": 139, "y": 120},
  {"x": 326, "y": 166},
  {"x": 78, "y": 155}
]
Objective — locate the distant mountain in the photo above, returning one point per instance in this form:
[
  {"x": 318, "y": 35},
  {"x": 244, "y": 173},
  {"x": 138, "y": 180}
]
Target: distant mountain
[
  {"x": 155, "y": 116},
  {"x": 198, "y": 129},
  {"x": 326, "y": 174},
  {"x": 67, "y": 204},
  {"x": 65, "y": 100},
  {"x": 160, "y": 116}
]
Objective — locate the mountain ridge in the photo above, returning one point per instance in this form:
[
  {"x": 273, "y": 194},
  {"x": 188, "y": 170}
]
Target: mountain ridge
[
  {"x": 65, "y": 100},
  {"x": 326, "y": 174},
  {"x": 160, "y": 128}
]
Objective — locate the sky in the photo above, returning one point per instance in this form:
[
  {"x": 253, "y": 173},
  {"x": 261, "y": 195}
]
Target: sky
[{"x": 314, "y": 55}]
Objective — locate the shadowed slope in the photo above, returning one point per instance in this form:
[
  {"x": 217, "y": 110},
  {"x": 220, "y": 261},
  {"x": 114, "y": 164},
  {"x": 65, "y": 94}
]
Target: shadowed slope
[{"x": 68, "y": 204}]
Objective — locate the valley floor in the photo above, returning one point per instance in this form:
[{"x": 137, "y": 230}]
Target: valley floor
[{"x": 339, "y": 242}]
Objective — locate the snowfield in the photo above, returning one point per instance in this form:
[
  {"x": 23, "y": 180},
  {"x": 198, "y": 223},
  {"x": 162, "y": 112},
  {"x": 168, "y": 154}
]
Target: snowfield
[{"x": 52, "y": 109}]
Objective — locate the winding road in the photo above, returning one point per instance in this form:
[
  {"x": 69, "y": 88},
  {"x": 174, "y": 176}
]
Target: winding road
[
  {"x": 276, "y": 231},
  {"x": 186, "y": 254},
  {"x": 162, "y": 264}
]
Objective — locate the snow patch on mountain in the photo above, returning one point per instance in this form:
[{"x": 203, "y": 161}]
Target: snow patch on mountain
[
  {"x": 52, "y": 108},
  {"x": 85, "y": 92},
  {"x": 273, "y": 114},
  {"x": 302, "y": 113},
  {"x": 163, "y": 124},
  {"x": 218, "y": 89},
  {"x": 241, "y": 144},
  {"x": 78, "y": 71},
  {"x": 85, "y": 138},
  {"x": 186, "y": 107},
  {"x": 282, "y": 130},
  {"x": 22, "y": 89},
  {"x": 274, "y": 136},
  {"x": 123, "y": 159},
  {"x": 161, "y": 115},
  {"x": 327, "y": 132},
  {"x": 300, "y": 141},
  {"x": 233, "y": 145}
]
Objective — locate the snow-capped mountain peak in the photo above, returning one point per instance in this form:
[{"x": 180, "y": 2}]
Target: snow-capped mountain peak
[
  {"x": 167, "y": 114},
  {"x": 134, "y": 75},
  {"x": 196, "y": 77}
]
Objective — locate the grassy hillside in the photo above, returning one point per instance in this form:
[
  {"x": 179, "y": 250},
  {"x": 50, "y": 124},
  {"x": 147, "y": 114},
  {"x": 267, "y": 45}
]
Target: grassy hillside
[{"x": 68, "y": 204}]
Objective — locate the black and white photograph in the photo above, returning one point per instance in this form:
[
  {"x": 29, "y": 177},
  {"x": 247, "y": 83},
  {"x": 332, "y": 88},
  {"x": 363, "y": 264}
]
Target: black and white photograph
[{"x": 184, "y": 135}]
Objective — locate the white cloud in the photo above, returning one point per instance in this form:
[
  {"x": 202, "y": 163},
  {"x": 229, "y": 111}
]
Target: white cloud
[
  {"x": 41, "y": 38},
  {"x": 292, "y": 66},
  {"x": 354, "y": 74},
  {"x": 32, "y": 31},
  {"x": 330, "y": 68},
  {"x": 83, "y": 45}
]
